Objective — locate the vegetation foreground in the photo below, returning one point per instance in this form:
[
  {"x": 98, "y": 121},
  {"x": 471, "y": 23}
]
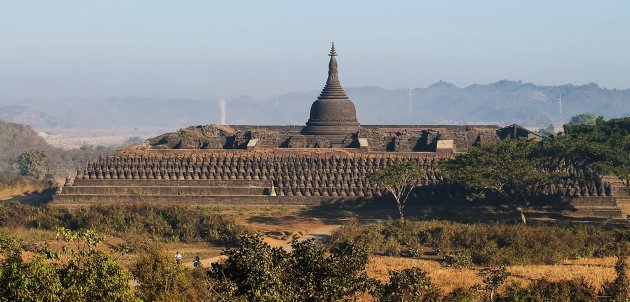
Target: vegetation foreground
[{"x": 58, "y": 254}]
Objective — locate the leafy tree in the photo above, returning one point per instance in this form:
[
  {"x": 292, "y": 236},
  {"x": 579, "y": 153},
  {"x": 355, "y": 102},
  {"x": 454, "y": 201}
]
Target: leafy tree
[
  {"x": 409, "y": 285},
  {"x": 508, "y": 170},
  {"x": 399, "y": 180},
  {"x": 493, "y": 278},
  {"x": 317, "y": 274},
  {"x": 602, "y": 147},
  {"x": 161, "y": 279},
  {"x": 37, "y": 280},
  {"x": 583, "y": 119},
  {"x": 80, "y": 273},
  {"x": 32, "y": 163},
  {"x": 255, "y": 271}
]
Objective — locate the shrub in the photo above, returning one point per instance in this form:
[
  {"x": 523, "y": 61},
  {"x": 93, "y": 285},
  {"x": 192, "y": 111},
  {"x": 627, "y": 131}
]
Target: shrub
[
  {"x": 462, "y": 294},
  {"x": 619, "y": 288},
  {"x": 565, "y": 290},
  {"x": 487, "y": 243},
  {"x": 458, "y": 259},
  {"x": 161, "y": 279},
  {"x": 412, "y": 285},
  {"x": 170, "y": 223}
]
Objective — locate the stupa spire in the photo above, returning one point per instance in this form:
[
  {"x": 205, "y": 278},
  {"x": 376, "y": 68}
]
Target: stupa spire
[{"x": 333, "y": 89}]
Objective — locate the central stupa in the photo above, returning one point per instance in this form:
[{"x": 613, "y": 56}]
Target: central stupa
[{"x": 333, "y": 113}]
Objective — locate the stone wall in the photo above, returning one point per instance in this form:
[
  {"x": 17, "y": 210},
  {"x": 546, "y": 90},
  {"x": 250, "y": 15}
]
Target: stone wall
[
  {"x": 391, "y": 138},
  {"x": 299, "y": 172}
]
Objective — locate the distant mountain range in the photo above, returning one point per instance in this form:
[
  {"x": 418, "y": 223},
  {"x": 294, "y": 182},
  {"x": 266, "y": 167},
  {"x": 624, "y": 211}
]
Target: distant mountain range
[{"x": 503, "y": 102}]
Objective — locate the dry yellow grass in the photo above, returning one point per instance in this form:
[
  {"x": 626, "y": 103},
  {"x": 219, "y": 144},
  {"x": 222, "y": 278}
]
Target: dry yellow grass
[
  {"x": 594, "y": 270},
  {"x": 7, "y": 193}
]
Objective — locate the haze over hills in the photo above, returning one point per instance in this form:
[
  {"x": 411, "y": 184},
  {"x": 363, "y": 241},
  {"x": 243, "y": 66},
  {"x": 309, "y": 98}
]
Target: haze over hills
[{"x": 503, "y": 102}]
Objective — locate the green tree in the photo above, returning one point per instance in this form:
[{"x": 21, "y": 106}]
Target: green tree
[
  {"x": 254, "y": 271},
  {"x": 32, "y": 163},
  {"x": 317, "y": 274},
  {"x": 507, "y": 169},
  {"x": 409, "y": 285},
  {"x": 80, "y": 273},
  {"x": 493, "y": 278},
  {"x": 399, "y": 180},
  {"x": 161, "y": 279},
  {"x": 602, "y": 147}
]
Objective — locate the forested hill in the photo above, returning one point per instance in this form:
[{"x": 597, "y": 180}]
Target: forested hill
[
  {"x": 503, "y": 102},
  {"x": 17, "y": 138}
]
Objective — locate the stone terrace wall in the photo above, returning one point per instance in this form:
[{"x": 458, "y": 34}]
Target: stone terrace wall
[
  {"x": 292, "y": 172},
  {"x": 303, "y": 172},
  {"x": 397, "y": 138}
]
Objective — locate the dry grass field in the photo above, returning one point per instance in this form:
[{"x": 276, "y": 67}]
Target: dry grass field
[{"x": 595, "y": 271}]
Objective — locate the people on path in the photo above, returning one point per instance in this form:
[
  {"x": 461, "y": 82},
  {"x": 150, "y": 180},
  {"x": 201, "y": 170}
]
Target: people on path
[
  {"x": 178, "y": 258},
  {"x": 197, "y": 261}
]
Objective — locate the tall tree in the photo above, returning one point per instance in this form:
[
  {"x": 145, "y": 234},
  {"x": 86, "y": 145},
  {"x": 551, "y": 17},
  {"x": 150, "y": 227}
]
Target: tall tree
[
  {"x": 399, "y": 180},
  {"x": 508, "y": 170},
  {"x": 602, "y": 147},
  {"x": 32, "y": 163}
]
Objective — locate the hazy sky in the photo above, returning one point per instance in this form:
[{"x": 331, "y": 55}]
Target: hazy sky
[{"x": 208, "y": 49}]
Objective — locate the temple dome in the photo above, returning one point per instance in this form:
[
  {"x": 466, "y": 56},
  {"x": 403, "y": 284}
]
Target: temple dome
[{"x": 333, "y": 113}]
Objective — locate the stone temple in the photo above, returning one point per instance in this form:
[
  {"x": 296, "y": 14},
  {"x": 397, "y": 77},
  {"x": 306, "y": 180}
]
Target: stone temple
[{"x": 326, "y": 161}]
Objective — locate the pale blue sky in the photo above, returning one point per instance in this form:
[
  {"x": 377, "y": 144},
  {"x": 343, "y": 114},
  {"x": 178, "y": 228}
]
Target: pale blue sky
[{"x": 208, "y": 49}]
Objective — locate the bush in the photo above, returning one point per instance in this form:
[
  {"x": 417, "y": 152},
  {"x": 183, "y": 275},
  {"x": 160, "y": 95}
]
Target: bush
[
  {"x": 619, "y": 288},
  {"x": 161, "y": 279},
  {"x": 486, "y": 243},
  {"x": 565, "y": 290},
  {"x": 412, "y": 285},
  {"x": 458, "y": 259},
  {"x": 462, "y": 294},
  {"x": 169, "y": 223}
]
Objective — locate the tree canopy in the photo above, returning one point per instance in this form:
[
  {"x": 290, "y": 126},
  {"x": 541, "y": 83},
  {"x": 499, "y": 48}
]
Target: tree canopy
[
  {"x": 508, "y": 170},
  {"x": 32, "y": 163},
  {"x": 399, "y": 180}
]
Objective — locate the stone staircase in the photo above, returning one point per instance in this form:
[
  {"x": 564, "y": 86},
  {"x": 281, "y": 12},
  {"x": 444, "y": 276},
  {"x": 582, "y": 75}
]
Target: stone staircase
[{"x": 236, "y": 191}]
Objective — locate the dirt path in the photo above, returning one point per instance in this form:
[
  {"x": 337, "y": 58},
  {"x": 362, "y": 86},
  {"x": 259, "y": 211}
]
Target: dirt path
[{"x": 319, "y": 233}]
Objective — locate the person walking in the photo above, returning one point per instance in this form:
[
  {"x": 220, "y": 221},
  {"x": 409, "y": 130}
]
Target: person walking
[
  {"x": 197, "y": 261},
  {"x": 178, "y": 258}
]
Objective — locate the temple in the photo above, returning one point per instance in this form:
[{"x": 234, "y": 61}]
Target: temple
[
  {"x": 333, "y": 113},
  {"x": 329, "y": 159}
]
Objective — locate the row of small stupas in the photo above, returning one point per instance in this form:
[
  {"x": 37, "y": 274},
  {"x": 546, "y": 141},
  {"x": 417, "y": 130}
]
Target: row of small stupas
[{"x": 330, "y": 158}]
